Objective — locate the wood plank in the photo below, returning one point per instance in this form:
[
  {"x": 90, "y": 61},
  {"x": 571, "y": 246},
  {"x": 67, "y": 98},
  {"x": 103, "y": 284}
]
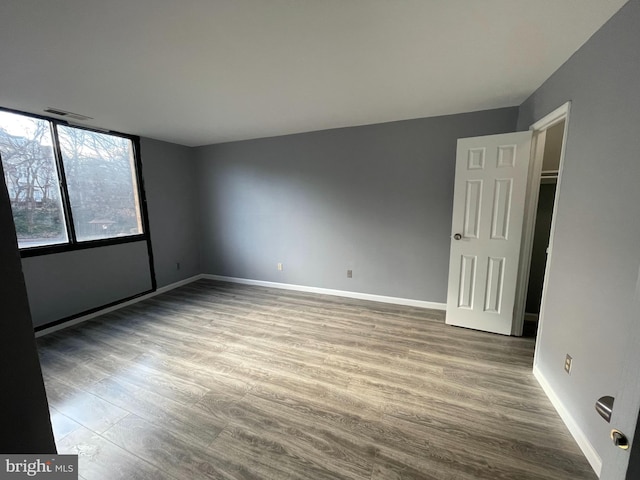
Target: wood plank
[
  {"x": 216, "y": 380},
  {"x": 99, "y": 459}
]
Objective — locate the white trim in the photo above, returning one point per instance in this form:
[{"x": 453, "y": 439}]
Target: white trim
[
  {"x": 327, "y": 291},
  {"x": 177, "y": 284},
  {"x": 550, "y": 119},
  {"x": 579, "y": 436},
  {"x": 245, "y": 281},
  {"x": 535, "y": 170},
  {"x": 528, "y": 230},
  {"x": 113, "y": 308}
]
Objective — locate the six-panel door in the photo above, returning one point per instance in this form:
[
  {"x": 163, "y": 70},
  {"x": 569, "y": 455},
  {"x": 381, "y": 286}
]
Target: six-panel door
[{"x": 488, "y": 211}]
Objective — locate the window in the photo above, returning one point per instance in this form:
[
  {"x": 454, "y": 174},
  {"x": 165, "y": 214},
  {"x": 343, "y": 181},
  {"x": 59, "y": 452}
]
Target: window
[
  {"x": 100, "y": 175},
  {"x": 68, "y": 185},
  {"x": 26, "y": 148}
]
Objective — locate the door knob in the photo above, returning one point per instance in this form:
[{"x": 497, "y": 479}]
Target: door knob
[
  {"x": 620, "y": 440},
  {"x": 457, "y": 236}
]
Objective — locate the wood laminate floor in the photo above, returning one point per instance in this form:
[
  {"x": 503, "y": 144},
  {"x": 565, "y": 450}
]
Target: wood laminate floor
[{"x": 222, "y": 381}]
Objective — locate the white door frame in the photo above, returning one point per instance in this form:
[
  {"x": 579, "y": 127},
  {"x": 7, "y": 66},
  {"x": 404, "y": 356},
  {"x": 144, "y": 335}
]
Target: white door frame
[
  {"x": 613, "y": 463},
  {"x": 533, "y": 189}
]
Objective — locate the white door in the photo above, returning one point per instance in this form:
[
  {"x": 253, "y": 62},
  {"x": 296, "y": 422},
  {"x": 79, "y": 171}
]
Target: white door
[
  {"x": 627, "y": 404},
  {"x": 488, "y": 210}
]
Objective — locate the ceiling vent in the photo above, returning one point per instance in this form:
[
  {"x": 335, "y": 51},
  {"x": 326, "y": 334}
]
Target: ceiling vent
[{"x": 64, "y": 113}]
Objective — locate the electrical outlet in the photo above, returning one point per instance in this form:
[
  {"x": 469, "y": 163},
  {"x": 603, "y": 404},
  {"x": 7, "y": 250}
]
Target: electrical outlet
[
  {"x": 567, "y": 364},
  {"x": 280, "y": 268},
  {"x": 349, "y": 273}
]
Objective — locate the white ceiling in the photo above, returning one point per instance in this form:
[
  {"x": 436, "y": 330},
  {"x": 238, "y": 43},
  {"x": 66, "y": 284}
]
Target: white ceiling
[{"x": 196, "y": 72}]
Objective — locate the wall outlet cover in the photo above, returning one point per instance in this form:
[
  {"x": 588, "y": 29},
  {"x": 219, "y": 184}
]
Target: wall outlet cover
[{"x": 567, "y": 364}]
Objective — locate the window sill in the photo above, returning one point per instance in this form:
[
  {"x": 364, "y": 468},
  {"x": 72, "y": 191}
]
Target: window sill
[{"x": 70, "y": 247}]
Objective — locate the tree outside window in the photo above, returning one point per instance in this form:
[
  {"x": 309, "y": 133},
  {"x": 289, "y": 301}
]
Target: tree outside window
[{"x": 92, "y": 180}]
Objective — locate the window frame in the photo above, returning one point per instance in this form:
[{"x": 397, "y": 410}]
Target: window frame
[{"x": 72, "y": 243}]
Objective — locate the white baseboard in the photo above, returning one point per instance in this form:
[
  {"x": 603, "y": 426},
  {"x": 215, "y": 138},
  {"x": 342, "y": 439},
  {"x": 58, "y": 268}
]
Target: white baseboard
[
  {"x": 579, "y": 436},
  {"x": 327, "y": 291},
  {"x": 261, "y": 283},
  {"x": 175, "y": 285},
  {"x": 89, "y": 316}
]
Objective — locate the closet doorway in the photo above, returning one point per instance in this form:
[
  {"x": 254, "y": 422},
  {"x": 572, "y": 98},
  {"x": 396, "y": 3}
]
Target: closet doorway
[{"x": 552, "y": 152}]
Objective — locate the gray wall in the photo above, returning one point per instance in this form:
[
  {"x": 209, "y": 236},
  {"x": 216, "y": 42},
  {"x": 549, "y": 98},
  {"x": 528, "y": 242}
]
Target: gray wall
[
  {"x": 170, "y": 185},
  {"x": 375, "y": 199},
  {"x": 69, "y": 283},
  {"x": 596, "y": 250},
  {"x": 25, "y": 426}
]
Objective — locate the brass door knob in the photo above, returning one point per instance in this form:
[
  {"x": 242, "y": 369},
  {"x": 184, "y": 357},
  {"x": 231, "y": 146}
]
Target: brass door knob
[{"x": 620, "y": 440}]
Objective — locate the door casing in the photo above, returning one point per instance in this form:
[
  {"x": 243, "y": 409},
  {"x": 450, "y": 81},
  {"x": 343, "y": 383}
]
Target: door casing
[{"x": 533, "y": 188}]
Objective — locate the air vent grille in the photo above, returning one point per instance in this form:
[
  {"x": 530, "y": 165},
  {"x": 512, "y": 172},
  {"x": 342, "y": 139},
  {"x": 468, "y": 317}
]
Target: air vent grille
[{"x": 64, "y": 113}]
